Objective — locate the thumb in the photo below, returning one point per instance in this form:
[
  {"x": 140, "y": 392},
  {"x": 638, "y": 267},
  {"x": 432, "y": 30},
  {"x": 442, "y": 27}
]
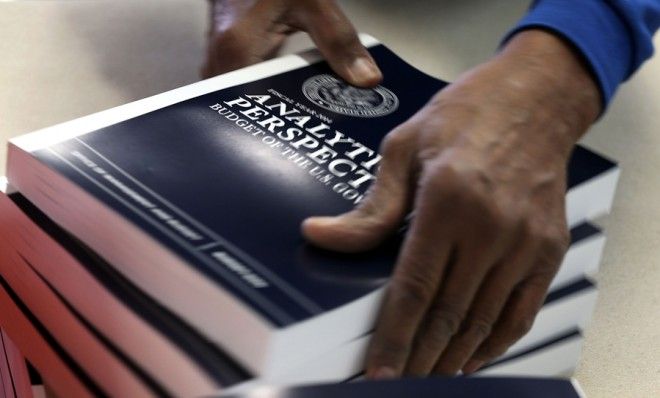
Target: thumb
[
  {"x": 336, "y": 38},
  {"x": 380, "y": 213}
]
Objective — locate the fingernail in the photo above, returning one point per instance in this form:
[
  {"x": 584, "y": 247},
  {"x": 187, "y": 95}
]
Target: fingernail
[
  {"x": 383, "y": 373},
  {"x": 364, "y": 71},
  {"x": 472, "y": 366}
]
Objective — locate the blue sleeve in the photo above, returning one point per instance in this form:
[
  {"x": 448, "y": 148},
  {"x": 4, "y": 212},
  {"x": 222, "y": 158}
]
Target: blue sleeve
[{"x": 614, "y": 36}]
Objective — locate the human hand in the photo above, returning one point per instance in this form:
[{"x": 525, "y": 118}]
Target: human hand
[
  {"x": 483, "y": 167},
  {"x": 244, "y": 32}
]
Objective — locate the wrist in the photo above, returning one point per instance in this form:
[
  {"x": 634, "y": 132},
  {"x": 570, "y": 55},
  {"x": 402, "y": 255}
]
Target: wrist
[{"x": 559, "y": 76}]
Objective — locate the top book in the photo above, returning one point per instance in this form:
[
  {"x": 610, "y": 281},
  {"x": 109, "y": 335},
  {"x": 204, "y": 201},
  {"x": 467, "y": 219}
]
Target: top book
[
  {"x": 432, "y": 387},
  {"x": 197, "y": 195}
]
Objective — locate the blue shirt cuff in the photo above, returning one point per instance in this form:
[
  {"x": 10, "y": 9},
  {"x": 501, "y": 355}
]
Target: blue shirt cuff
[{"x": 595, "y": 30}]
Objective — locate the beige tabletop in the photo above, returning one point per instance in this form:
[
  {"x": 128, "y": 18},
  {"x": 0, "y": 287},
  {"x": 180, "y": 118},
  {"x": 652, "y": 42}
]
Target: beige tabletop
[{"x": 64, "y": 59}]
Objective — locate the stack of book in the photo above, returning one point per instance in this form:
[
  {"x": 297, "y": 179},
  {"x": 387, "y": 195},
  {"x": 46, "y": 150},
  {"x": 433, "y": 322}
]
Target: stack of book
[{"x": 154, "y": 248}]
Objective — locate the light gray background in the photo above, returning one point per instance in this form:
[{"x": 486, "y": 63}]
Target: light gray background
[{"x": 64, "y": 59}]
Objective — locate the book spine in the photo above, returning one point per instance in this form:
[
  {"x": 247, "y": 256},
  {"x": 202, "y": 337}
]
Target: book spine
[
  {"x": 150, "y": 350},
  {"x": 106, "y": 369},
  {"x": 557, "y": 357}
]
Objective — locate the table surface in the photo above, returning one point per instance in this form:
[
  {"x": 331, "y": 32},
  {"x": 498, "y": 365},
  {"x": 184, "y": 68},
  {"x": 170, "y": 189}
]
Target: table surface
[{"x": 64, "y": 59}]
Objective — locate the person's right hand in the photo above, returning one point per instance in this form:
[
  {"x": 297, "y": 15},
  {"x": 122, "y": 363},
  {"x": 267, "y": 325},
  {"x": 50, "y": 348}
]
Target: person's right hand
[{"x": 245, "y": 32}]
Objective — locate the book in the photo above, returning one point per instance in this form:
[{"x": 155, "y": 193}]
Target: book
[
  {"x": 565, "y": 311},
  {"x": 13, "y": 368},
  {"x": 84, "y": 347},
  {"x": 495, "y": 387},
  {"x": 91, "y": 289},
  {"x": 567, "y": 307},
  {"x": 196, "y": 196},
  {"x": 583, "y": 258},
  {"x": 63, "y": 375},
  {"x": 553, "y": 357},
  {"x": 37, "y": 382},
  {"x": 557, "y": 356},
  {"x": 132, "y": 330},
  {"x": 26, "y": 380}
]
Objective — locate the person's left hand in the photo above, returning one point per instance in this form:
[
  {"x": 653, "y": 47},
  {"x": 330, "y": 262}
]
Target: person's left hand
[{"x": 483, "y": 167}]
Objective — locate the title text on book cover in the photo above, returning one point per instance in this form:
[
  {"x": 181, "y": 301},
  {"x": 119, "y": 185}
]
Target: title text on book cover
[{"x": 329, "y": 155}]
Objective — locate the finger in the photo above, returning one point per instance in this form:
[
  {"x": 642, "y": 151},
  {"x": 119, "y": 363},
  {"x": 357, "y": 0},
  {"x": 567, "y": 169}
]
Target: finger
[
  {"x": 338, "y": 41},
  {"x": 516, "y": 320},
  {"x": 519, "y": 313},
  {"x": 485, "y": 310},
  {"x": 483, "y": 232},
  {"x": 487, "y": 239},
  {"x": 443, "y": 318},
  {"x": 415, "y": 281},
  {"x": 450, "y": 208},
  {"x": 382, "y": 210},
  {"x": 419, "y": 271}
]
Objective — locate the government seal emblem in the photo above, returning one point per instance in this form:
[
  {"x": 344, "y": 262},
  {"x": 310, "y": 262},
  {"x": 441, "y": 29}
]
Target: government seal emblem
[{"x": 337, "y": 96}]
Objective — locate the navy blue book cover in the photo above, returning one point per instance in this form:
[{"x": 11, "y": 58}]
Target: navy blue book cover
[
  {"x": 225, "y": 179},
  {"x": 431, "y": 387}
]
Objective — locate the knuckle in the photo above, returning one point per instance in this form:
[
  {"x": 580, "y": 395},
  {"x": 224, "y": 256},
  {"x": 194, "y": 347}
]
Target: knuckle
[
  {"x": 394, "y": 142},
  {"x": 387, "y": 349},
  {"x": 554, "y": 244},
  {"x": 435, "y": 338},
  {"x": 499, "y": 343},
  {"x": 520, "y": 327},
  {"x": 553, "y": 241},
  {"x": 480, "y": 327},
  {"x": 447, "y": 317},
  {"x": 508, "y": 217},
  {"x": 444, "y": 170},
  {"x": 455, "y": 185},
  {"x": 496, "y": 221},
  {"x": 442, "y": 181},
  {"x": 411, "y": 289}
]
